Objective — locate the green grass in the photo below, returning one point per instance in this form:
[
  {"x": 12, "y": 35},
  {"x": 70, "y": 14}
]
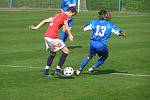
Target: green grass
[
  {"x": 22, "y": 47},
  {"x": 113, "y": 5}
]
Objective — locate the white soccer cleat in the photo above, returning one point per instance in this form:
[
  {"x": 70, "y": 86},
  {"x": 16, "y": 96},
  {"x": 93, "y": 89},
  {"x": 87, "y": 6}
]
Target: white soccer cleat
[
  {"x": 91, "y": 69},
  {"x": 77, "y": 72}
]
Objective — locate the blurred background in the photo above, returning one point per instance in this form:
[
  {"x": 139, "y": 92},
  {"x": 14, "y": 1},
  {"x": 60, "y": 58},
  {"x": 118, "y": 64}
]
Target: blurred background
[{"x": 112, "y": 5}]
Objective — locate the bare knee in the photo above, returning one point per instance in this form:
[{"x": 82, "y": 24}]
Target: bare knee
[{"x": 65, "y": 50}]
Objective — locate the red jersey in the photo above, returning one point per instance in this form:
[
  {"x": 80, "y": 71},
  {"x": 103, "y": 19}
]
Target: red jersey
[{"x": 58, "y": 22}]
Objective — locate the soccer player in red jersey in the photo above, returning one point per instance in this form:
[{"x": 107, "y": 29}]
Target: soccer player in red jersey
[{"x": 53, "y": 43}]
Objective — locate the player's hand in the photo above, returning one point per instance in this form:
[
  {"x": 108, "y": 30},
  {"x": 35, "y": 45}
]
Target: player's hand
[
  {"x": 32, "y": 27},
  {"x": 70, "y": 37},
  {"x": 122, "y": 34}
]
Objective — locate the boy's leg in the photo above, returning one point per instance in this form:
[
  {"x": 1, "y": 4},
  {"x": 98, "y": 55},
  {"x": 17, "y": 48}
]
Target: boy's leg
[
  {"x": 102, "y": 51},
  {"x": 89, "y": 57},
  {"x": 83, "y": 64},
  {"x": 62, "y": 60},
  {"x": 86, "y": 59},
  {"x": 49, "y": 62},
  {"x": 54, "y": 45},
  {"x": 99, "y": 62}
]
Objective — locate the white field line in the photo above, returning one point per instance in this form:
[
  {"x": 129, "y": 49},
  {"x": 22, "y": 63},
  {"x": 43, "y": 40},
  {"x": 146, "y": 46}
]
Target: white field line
[
  {"x": 122, "y": 74},
  {"x": 14, "y": 66},
  {"x": 125, "y": 74},
  {"x": 128, "y": 16}
]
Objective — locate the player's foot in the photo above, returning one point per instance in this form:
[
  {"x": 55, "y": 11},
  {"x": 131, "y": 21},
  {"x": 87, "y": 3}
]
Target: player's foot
[
  {"x": 91, "y": 69},
  {"x": 59, "y": 73},
  {"x": 77, "y": 72},
  {"x": 46, "y": 73}
]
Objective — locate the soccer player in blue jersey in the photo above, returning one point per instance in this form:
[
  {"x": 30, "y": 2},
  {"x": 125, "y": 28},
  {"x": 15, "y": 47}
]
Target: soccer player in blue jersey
[
  {"x": 65, "y": 4},
  {"x": 102, "y": 29}
]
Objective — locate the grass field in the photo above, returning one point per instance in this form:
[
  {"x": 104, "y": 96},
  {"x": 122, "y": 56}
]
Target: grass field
[{"x": 23, "y": 57}]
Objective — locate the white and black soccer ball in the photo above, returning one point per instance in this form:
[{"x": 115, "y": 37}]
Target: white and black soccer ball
[{"x": 68, "y": 71}]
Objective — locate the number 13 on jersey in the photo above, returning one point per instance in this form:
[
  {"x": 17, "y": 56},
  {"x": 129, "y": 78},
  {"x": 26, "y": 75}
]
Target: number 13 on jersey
[{"x": 100, "y": 30}]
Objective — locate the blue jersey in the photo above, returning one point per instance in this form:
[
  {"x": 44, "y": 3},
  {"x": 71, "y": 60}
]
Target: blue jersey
[
  {"x": 102, "y": 30},
  {"x": 65, "y": 4}
]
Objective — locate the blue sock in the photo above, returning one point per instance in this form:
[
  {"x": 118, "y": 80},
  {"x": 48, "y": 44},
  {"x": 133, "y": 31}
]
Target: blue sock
[
  {"x": 99, "y": 62},
  {"x": 84, "y": 63},
  {"x": 63, "y": 36}
]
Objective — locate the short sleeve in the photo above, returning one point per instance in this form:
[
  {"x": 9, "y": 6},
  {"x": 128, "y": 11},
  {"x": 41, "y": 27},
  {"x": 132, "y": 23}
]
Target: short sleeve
[
  {"x": 115, "y": 29},
  {"x": 88, "y": 26}
]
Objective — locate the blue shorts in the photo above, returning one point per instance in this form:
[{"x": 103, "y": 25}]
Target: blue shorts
[{"x": 99, "y": 48}]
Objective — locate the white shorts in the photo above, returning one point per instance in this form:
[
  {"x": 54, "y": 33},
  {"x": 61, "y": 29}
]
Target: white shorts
[{"x": 54, "y": 44}]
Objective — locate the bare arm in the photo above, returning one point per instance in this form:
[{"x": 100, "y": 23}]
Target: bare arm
[
  {"x": 68, "y": 30},
  {"x": 62, "y": 10},
  {"x": 49, "y": 20}
]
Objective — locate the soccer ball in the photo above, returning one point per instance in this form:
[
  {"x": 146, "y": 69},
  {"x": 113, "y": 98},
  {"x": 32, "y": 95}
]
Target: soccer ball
[{"x": 68, "y": 71}]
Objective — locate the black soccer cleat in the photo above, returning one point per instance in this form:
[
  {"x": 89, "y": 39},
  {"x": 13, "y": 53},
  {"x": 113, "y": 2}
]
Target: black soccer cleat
[
  {"x": 59, "y": 73},
  {"x": 46, "y": 73}
]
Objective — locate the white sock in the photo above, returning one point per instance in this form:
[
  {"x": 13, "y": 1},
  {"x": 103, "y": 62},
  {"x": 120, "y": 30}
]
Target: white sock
[
  {"x": 80, "y": 69},
  {"x": 46, "y": 67},
  {"x": 58, "y": 67}
]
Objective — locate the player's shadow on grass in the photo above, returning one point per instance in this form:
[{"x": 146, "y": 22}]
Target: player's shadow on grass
[
  {"x": 74, "y": 47},
  {"x": 108, "y": 71},
  {"x": 72, "y": 77},
  {"x": 55, "y": 76}
]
